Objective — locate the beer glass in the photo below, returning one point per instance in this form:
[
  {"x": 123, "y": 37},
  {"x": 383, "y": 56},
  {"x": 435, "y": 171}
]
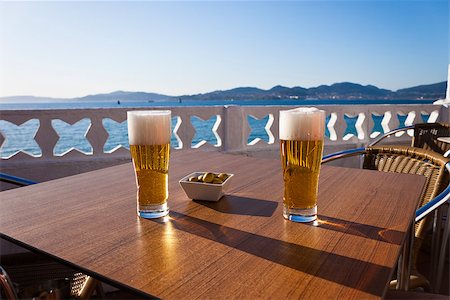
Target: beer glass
[
  {"x": 301, "y": 146},
  {"x": 149, "y": 136}
]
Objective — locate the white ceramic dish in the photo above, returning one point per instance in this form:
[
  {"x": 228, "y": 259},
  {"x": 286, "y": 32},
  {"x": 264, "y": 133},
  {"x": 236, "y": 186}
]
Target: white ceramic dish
[{"x": 204, "y": 191}]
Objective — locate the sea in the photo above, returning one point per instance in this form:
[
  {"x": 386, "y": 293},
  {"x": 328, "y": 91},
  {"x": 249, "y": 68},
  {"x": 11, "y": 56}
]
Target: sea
[{"x": 21, "y": 137}]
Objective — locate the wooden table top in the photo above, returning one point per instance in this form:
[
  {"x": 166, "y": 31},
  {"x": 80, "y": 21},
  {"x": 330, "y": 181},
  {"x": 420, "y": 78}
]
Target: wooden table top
[{"x": 239, "y": 247}]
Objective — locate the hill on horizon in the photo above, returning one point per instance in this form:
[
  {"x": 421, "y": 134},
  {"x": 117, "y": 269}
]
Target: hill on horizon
[
  {"x": 126, "y": 96},
  {"x": 342, "y": 90}
]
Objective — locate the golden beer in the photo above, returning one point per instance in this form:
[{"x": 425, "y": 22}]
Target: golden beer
[
  {"x": 151, "y": 164},
  {"x": 301, "y": 146},
  {"x": 149, "y": 138},
  {"x": 301, "y": 166}
]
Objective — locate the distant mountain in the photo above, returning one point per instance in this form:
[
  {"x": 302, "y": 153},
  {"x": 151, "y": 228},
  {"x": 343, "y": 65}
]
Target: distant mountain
[
  {"x": 280, "y": 91},
  {"x": 126, "y": 96},
  {"x": 236, "y": 93},
  {"x": 348, "y": 90},
  {"x": 251, "y": 93},
  {"x": 114, "y": 96},
  {"x": 433, "y": 91},
  {"x": 343, "y": 90}
]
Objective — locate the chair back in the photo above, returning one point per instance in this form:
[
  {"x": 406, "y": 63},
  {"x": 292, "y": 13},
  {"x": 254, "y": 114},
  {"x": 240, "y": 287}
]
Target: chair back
[
  {"x": 411, "y": 160},
  {"x": 426, "y": 136}
]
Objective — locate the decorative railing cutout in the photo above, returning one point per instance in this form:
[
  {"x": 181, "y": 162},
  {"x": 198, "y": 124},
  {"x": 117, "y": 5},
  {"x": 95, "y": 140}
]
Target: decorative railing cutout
[
  {"x": 72, "y": 137},
  {"x": 354, "y": 126},
  {"x": 175, "y": 140},
  {"x": 401, "y": 123},
  {"x": 260, "y": 129},
  {"x": 206, "y": 131},
  {"x": 329, "y": 128},
  {"x": 117, "y": 135},
  {"x": 429, "y": 118},
  {"x": 19, "y": 138},
  {"x": 377, "y": 128},
  {"x": 381, "y": 124},
  {"x": 405, "y": 120}
]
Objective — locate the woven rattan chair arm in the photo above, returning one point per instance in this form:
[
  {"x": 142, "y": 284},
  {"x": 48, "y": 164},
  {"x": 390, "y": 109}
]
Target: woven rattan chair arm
[{"x": 432, "y": 156}]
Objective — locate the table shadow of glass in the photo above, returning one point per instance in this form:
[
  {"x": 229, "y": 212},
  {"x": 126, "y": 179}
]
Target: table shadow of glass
[
  {"x": 237, "y": 205},
  {"x": 387, "y": 235},
  {"x": 337, "y": 268}
]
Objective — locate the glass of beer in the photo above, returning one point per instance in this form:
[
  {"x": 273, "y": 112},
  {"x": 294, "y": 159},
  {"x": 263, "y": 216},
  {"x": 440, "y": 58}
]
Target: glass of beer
[
  {"x": 149, "y": 136},
  {"x": 301, "y": 146}
]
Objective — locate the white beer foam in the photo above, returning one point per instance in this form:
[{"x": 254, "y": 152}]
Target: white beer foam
[
  {"x": 149, "y": 127},
  {"x": 302, "y": 124}
]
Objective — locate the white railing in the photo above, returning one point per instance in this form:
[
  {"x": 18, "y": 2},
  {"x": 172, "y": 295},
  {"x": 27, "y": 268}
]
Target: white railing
[
  {"x": 231, "y": 133},
  {"x": 231, "y": 127}
]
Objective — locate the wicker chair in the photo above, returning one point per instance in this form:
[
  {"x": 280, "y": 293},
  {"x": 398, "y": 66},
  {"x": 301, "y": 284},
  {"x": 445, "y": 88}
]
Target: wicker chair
[
  {"x": 81, "y": 285},
  {"x": 425, "y": 136},
  {"x": 410, "y": 160}
]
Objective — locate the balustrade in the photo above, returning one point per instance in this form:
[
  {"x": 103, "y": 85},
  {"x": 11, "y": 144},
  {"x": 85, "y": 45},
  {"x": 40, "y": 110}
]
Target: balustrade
[{"x": 101, "y": 133}]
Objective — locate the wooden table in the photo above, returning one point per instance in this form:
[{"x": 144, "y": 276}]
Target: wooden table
[{"x": 240, "y": 247}]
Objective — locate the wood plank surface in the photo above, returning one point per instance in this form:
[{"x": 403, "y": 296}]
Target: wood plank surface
[{"x": 239, "y": 247}]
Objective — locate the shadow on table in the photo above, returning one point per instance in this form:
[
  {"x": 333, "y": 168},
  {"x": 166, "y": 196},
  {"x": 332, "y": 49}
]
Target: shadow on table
[
  {"x": 371, "y": 232},
  {"x": 326, "y": 265},
  {"x": 236, "y": 205}
]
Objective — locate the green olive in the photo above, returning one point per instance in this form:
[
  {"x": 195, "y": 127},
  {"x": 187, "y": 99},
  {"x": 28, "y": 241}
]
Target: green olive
[
  {"x": 193, "y": 179},
  {"x": 208, "y": 177},
  {"x": 217, "y": 181},
  {"x": 222, "y": 176}
]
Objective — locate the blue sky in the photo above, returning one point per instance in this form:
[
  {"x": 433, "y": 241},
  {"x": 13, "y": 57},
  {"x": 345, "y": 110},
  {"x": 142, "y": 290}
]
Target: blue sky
[{"x": 70, "y": 49}]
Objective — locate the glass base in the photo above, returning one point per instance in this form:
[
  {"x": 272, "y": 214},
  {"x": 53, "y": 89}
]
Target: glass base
[
  {"x": 300, "y": 215},
  {"x": 153, "y": 211}
]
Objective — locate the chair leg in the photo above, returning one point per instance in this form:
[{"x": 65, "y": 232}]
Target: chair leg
[
  {"x": 442, "y": 251},
  {"x": 7, "y": 285},
  {"x": 89, "y": 287},
  {"x": 435, "y": 242},
  {"x": 99, "y": 290},
  {"x": 405, "y": 260}
]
